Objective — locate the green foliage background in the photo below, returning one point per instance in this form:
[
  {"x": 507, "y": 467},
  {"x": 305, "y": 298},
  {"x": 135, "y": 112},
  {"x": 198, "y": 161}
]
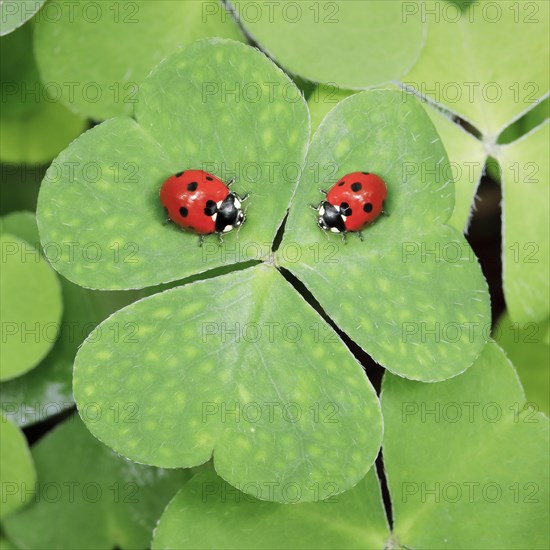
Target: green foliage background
[{"x": 100, "y": 104}]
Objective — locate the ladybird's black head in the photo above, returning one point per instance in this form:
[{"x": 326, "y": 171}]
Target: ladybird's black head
[
  {"x": 330, "y": 218},
  {"x": 229, "y": 214}
]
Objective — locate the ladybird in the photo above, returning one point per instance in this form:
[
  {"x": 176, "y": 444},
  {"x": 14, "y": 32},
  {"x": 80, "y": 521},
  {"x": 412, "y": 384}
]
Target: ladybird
[
  {"x": 352, "y": 203},
  {"x": 200, "y": 202}
]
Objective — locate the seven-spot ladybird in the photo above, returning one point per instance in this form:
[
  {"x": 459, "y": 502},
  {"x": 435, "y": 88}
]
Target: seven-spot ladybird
[
  {"x": 200, "y": 202},
  {"x": 352, "y": 203}
]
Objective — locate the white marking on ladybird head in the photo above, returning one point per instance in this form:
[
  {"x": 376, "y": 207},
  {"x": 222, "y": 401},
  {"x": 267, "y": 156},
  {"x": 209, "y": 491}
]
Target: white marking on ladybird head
[
  {"x": 322, "y": 211},
  {"x": 237, "y": 203},
  {"x": 227, "y": 228}
]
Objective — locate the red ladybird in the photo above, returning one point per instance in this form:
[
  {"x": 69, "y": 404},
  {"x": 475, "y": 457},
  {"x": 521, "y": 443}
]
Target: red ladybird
[
  {"x": 353, "y": 202},
  {"x": 200, "y": 202}
]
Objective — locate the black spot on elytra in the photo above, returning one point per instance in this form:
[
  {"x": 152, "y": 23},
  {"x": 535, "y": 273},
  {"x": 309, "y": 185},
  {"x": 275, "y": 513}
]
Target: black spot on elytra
[
  {"x": 179, "y": 174},
  {"x": 183, "y": 212},
  {"x": 210, "y": 208},
  {"x": 209, "y": 178},
  {"x": 192, "y": 186},
  {"x": 345, "y": 209},
  {"x": 356, "y": 186},
  {"x": 340, "y": 183},
  {"x": 367, "y": 207},
  {"x": 366, "y": 173}
]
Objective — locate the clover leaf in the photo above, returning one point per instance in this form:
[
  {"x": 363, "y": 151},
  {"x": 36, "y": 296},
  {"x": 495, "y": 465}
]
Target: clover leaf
[
  {"x": 350, "y": 44},
  {"x": 30, "y": 303},
  {"x": 88, "y": 497},
  {"x": 14, "y": 14},
  {"x": 526, "y": 258},
  {"x": 125, "y": 41},
  {"x": 212, "y": 369},
  {"x": 354, "y": 520},
  {"x": 35, "y": 126},
  {"x": 466, "y": 454},
  {"x": 528, "y": 347},
  {"x": 16, "y": 469},
  {"x": 413, "y": 288},
  {"x": 99, "y": 214},
  {"x": 460, "y": 67}
]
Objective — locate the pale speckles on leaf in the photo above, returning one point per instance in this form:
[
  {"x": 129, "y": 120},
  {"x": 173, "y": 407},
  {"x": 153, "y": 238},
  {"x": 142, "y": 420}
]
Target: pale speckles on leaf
[
  {"x": 236, "y": 402},
  {"x": 383, "y": 291},
  {"x": 267, "y": 137},
  {"x": 161, "y": 313},
  {"x": 342, "y": 147}
]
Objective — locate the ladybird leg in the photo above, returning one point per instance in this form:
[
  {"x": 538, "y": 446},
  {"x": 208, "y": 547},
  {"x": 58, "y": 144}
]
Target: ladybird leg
[
  {"x": 220, "y": 239},
  {"x": 323, "y": 192},
  {"x": 314, "y": 207},
  {"x": 201, "y": 240},
  {"x": 231, "y": 182},
  {"x": 244, "y": 197},
  {"x": 344, "y": 237},
  {"x": 166, "y": 221},
  {"x": 360, "y": 235}
]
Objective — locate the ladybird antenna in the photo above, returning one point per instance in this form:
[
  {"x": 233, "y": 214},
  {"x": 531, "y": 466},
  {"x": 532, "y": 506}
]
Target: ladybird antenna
[{"x": 231, "y": 182}]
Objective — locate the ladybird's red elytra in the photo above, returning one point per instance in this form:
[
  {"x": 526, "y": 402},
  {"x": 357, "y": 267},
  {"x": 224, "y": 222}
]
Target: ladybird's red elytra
[
  {"x": 200, "y": 202},
  {"x": 352, "y": 203}
]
